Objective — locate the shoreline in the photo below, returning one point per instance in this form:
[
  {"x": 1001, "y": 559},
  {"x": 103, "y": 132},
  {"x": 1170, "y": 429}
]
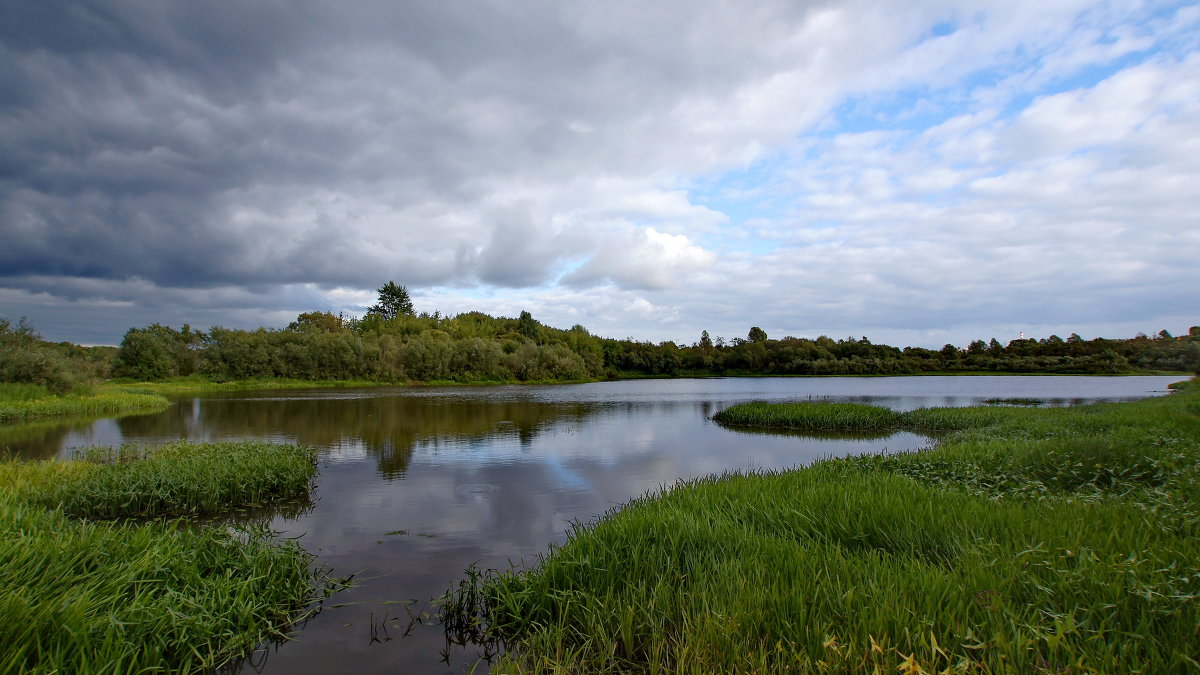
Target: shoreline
[{"x": 1027, "y": 537}]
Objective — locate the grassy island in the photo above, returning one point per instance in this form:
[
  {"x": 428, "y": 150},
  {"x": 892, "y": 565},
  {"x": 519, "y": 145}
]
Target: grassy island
[
  {"x": 91, "y": 585},
  {"x": 1061, "y": 540},
  {"x": 23, "y": 402}
]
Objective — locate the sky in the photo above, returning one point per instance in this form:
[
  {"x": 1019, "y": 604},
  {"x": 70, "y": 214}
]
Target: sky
[{"x": 914, "y": 172}]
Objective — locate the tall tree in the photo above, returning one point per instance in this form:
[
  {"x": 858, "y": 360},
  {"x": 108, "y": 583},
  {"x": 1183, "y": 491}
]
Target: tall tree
[
  {"x": 393, "y": 302},
  {"x": 757, "y": 334},
  {"x": 527, "y": 326}
]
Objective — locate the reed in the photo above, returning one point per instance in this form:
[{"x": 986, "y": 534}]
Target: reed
[
  {"x": 20, "y": 402},
  {"x": 1040, "y": 540},
  {"x": 177, "y": 479},
  {"x": 814, "y": 415},
  {"x": 157, "y": 597},
  {"x": 134, "y": 595}
]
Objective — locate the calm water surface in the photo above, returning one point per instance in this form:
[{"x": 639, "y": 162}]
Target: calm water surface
[{"x": 418, "y": 483}]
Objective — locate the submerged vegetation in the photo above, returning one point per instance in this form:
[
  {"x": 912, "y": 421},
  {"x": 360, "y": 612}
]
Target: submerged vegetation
[
  {"x": 88, "y": 589},
  {"x": 1060, "y": 540}
]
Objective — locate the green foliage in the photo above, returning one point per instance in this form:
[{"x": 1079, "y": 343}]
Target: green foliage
[
  {"x": 528, "y": 327},
  {"x": 177, "y": 479},
  {"x": 19, "y": 402},
  {"x": 1033, "y": 540},
  {"x": 125, "y": 596},
  {"x": 816, "y": 416},
  {"x": 475, "y": 347},
  {"x": 59, "y": 367},
  {"x": 157, "y": 352},
  {"x": 394, "y": 301},
  {"x": 319, "y": 322}
]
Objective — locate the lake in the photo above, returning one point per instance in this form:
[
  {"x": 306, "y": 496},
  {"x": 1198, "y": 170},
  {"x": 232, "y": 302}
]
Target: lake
[{"x": 416, "y": 484}]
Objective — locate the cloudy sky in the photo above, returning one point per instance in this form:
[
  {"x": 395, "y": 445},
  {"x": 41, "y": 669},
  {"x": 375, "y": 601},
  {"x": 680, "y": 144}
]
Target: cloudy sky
[{"x": 918, "y": 173}]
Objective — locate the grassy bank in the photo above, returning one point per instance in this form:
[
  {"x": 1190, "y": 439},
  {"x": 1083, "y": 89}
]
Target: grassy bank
[
  {"x": 825, "y": 416},
  {"x": 178, "y": 479},
  {"x": 1029, "y": 540},
  {"x": 22, "y": 402},
  {"x": 81, "y": 593}
]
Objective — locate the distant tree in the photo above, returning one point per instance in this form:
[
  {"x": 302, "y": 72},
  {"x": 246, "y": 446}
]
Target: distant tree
[
  {"x": 705, "y": 341},
  {"x": 151, "y": 353},
  {"x": 318, "y": 322},
  {"x": 757, "y": 334},
  {"x": 393, "y": 302},
  {"x": 977, "y": 347},
  {"x": 1164, "y": 334},
  {"x": 527, "y": 326},
  {"x": 1194, "y": 331}
]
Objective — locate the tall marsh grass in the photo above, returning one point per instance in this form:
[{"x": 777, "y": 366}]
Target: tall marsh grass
[
  {"x": 177, "y": 479},
  {"x": 82, "y": 593},
  {"x": 20, "y": 402},
  {"x": 827, "y": 416},
  {"x": 815, "y": 415},
  {"x": 83, "y": 596},
  {"x": 1043, "y": 540}
]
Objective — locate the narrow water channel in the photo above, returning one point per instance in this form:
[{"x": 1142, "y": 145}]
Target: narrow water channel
[{"x": 416, "y": 484}]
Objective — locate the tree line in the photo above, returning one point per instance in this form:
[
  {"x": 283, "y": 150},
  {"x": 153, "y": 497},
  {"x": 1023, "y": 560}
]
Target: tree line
[{"x": 393, "y": 343}]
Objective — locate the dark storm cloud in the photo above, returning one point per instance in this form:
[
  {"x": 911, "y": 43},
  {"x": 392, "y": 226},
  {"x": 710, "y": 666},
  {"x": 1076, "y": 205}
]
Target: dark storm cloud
[
  {"x": 134, "y": 131},
  {"x": 209, "y": 143}
]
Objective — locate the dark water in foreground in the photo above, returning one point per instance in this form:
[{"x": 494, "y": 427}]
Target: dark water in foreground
[{"x": 417, "y": 484}]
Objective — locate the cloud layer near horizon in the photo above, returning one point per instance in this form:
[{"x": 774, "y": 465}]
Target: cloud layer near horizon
[{"x": 917, "y": 175}]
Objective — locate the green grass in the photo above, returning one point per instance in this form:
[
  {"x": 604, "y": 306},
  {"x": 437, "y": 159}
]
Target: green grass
[
  {"x": 198, "y": 383},
  {"x": 817, "y": 416},
  {"x": 21, "y": 402},
  {"x": 1014, "y": 401},
  {"x": 81, "y": 593},
  {"x": 826, "y": 416},
  {"x": 1031, "y": 540},
  {"x": 177, "y": 479}
]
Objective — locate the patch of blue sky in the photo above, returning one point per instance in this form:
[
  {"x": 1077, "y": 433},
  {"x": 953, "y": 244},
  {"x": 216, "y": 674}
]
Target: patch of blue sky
[
  {"x": 742, "y": 194},
  {"x": 1085, "y": 76},
  {"x": 910, "y": 109},
  {"x": 943, "y": 28}
]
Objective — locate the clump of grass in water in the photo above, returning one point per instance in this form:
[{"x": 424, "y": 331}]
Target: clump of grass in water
[
  {"x": 1013, "y": 401},
  {"x": 82, "y": 596},
  {"x": 87, "y": 597},
  {"x": 178, "y": 479},
  {"x": 816, "y": 415},
  {"x": 20, "y": 402},
  {"x": 826, "y": 416},
  {"x": 1037, "y": 540}
]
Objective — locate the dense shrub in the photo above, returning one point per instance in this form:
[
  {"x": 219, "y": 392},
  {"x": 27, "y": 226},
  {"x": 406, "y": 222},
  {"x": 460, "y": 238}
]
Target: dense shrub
[{"x": 59, "y": 367}]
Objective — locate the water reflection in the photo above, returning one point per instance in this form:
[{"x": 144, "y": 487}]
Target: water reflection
[
  {"x": 38, "y": 440},
  {"x": 386, "y": 428},
  {"x": 417, "y": 484}
]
